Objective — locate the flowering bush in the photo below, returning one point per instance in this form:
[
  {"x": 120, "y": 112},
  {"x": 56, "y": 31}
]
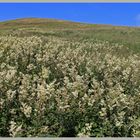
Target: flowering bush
[{"x": 50, "y": 86}]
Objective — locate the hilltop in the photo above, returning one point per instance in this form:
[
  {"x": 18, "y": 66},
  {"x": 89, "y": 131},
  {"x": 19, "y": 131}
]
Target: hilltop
[{"x": 55, "y": 23}]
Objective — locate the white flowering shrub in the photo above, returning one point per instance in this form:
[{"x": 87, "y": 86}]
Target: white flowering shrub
[{"x": 50, "y": 86}]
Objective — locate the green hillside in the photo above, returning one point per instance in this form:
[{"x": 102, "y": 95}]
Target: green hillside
[
  {"x": 67, "y": 29},
  {"x": 68, "y": 79}
]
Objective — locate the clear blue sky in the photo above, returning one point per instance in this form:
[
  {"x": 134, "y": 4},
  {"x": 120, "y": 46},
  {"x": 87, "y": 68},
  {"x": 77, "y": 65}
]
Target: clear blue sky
[{"x": 99, "y": 13}]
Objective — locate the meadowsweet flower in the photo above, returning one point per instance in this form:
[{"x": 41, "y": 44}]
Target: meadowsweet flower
[
  {"x": 26, "y": 109},
  {"x": 14, "y": 129}
]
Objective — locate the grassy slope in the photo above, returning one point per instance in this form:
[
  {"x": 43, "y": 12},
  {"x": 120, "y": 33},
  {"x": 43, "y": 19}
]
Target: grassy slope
[
  {"x": 128, "y": 36},
  {"x": 108, "y": 91}
]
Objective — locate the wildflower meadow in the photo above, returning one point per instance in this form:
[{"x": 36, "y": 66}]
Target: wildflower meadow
[{"x": 54, "y": 86}]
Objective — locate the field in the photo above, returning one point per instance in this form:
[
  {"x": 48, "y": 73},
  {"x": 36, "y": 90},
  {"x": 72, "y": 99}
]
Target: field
[{"x": 66, "y": 79}]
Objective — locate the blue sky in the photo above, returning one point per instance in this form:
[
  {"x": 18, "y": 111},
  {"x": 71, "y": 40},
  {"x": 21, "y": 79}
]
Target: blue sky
[{"x": 127, "y": 14}]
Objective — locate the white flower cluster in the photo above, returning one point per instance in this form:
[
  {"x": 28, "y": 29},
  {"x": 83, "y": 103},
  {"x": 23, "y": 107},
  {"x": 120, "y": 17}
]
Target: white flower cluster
[{"x": 47, "y": 81}]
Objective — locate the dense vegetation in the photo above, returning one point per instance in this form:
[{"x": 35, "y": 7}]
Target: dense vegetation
[{"x": 71, "y": 80}]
